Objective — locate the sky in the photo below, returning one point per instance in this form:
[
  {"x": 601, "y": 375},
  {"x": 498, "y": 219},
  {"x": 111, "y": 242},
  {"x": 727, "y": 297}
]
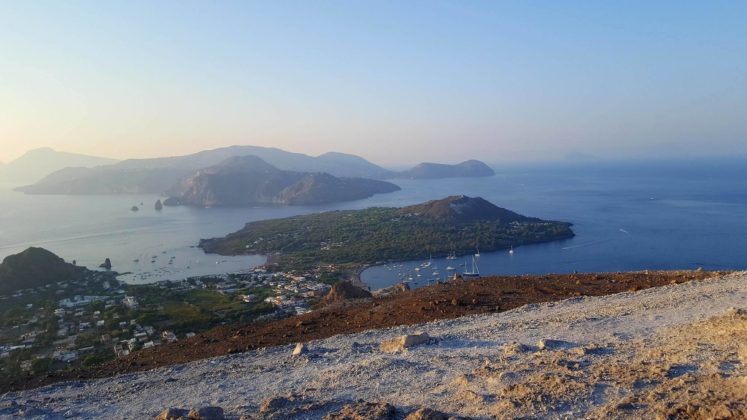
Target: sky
[{"x": 394, "y": 81}]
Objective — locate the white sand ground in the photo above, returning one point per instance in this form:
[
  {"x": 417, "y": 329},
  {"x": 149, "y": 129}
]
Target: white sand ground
[{"x": 678, "y": 350}]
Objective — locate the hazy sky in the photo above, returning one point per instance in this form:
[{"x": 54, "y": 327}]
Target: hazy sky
[{"x": 394, "y": 81}]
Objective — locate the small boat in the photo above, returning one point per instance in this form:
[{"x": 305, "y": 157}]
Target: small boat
[
  {"x": 474, "y": 272},
  {"x": 426, "y": 264},
  {"x": 452, "y": 255},
  {"x": 450, "y": 268},
  {"x": 477, "y": 254},
  {"x": 511, "y": 251}
]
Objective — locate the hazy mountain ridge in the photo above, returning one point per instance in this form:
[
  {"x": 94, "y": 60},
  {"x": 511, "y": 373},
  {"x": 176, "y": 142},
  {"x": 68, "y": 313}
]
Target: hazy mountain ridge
[
  {"x": 105, "y": 180},
  {"x": 36, "y": 164},
  {"x": 466, "y": 169},
  {"x": 163, "y": 173},
  {"x": 157, "y": 175},
  {"x": 249, "y": 180}
]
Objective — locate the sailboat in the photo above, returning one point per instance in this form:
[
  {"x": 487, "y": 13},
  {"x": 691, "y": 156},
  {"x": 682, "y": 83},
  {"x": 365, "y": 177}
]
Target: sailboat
[
  {"x": 511, "y": 251},
  {"x": 452, "y": 255},
  {"x": 474, "y": 273},
  {"x": 478, "y": 253},
  {"x": 428, "y": 264}
]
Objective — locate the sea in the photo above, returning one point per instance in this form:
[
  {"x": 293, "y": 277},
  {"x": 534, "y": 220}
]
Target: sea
[{"x": 626, "y": 216}]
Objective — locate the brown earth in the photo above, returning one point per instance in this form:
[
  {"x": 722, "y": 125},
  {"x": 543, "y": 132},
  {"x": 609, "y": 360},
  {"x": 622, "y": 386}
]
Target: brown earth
[{"x": 441, "y": 301}]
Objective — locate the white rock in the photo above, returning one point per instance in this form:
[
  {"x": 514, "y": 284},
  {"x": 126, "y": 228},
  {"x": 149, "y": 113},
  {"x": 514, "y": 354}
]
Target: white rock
[
  {"x": 300, "y": 349},
  {"x": 403, "y": 342}
]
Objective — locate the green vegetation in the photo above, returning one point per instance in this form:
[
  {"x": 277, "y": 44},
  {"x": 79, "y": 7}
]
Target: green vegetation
[
  {"x": 350, "y": 238},
  {"x": 183, "y": 310}
]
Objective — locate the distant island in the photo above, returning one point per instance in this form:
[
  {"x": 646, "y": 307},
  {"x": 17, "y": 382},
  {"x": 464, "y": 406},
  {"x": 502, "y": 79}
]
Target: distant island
[
  {"x": 249, "y": 180},
  {"x": 36, "y": 267},
  {"x": 466, "y": 169},
  {"x": 67, "y": 174},
  {"x": 354, "y": 238},
  {"x": 38, "y": 163},
  {"x": 157, "y": 175}
]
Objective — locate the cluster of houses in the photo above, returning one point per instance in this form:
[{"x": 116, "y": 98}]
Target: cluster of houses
[
  {"x": 29, "y": 332},
  {"x": 76, "y": 313},
  {"x": 145, "y": 338},
  {"x": 295, "y": 295}
]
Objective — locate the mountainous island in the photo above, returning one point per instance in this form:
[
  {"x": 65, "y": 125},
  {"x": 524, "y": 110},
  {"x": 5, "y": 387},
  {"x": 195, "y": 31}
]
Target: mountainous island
[
  {"x": 249, "y": 180},
  {"x": 457, "y": 224},
  {"x": 36, "y": 164},
  {"x": 35, "y": 267},
  {"x": 69, "y": 174},
  {"x": 466, "y": 169},
  {"x": 157, "y": 175}
]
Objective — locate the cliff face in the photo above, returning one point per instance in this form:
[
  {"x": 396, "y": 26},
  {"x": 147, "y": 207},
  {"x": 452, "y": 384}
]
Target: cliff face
[
  {"x": 466, "y": 169},
  {"x": 249, "y": 180},
  {"x": 35, "y": 267}
]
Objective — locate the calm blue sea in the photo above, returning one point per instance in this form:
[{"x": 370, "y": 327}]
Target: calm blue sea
[{"x": 626, "y": 217}]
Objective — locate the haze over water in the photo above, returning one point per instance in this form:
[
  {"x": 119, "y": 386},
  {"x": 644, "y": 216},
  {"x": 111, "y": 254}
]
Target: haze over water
[{"x": 626, "y": 217}]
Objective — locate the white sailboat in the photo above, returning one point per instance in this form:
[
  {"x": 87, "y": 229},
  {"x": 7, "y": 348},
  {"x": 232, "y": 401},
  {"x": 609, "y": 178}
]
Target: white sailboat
[
  {"x": 474, "y": 272},
  {"x": 511, "y": 251},
  {"x": 428, "y": 264}
]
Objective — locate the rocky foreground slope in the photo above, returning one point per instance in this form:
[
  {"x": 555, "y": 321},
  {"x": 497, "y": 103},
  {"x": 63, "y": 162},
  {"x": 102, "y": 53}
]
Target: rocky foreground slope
[{"x": 674, "y": 351}]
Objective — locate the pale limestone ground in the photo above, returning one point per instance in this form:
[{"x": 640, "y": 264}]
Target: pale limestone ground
[{"x": 679, "y": 350}]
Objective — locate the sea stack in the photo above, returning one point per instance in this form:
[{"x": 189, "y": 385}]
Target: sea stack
[
  {"x": 107, "y": 264},
  {"x": 159, "y": 205},
  {"x": 134, "y": 208}
]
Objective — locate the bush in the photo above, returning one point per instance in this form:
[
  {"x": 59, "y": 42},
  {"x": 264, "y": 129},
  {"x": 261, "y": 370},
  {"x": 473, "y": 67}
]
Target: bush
[{"x": 41, "y": 365}]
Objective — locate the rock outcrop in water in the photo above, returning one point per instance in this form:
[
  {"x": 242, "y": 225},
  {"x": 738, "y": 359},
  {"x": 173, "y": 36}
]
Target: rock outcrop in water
[{"x": 159, "y": 205}]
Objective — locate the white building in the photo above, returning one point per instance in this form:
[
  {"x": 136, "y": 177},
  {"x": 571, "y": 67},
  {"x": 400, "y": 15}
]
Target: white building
[{"x": 130, "y": 302}]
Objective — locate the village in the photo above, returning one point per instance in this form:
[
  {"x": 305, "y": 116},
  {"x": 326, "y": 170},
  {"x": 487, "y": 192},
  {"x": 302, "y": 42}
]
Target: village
[{"x": 97, "y": 318}]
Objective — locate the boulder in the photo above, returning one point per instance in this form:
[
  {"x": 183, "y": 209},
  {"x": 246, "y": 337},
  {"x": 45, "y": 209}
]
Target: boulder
[
  {"x": 403, "y": 342},
  {"x": 172, "y": 414},
  {"x": 344, "y": 291},
  {"x": 514, "y": 348},
  {"x": 300, "y": 349},
  {"x": 275, "y": 403},
  {"x": 364, "y": 411},
  {"x": 427, "y": 414},
  {"x": 547, "y": 344},
  {"x": 206, "y": 413},
  {"x": 401, "y": 287}
]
